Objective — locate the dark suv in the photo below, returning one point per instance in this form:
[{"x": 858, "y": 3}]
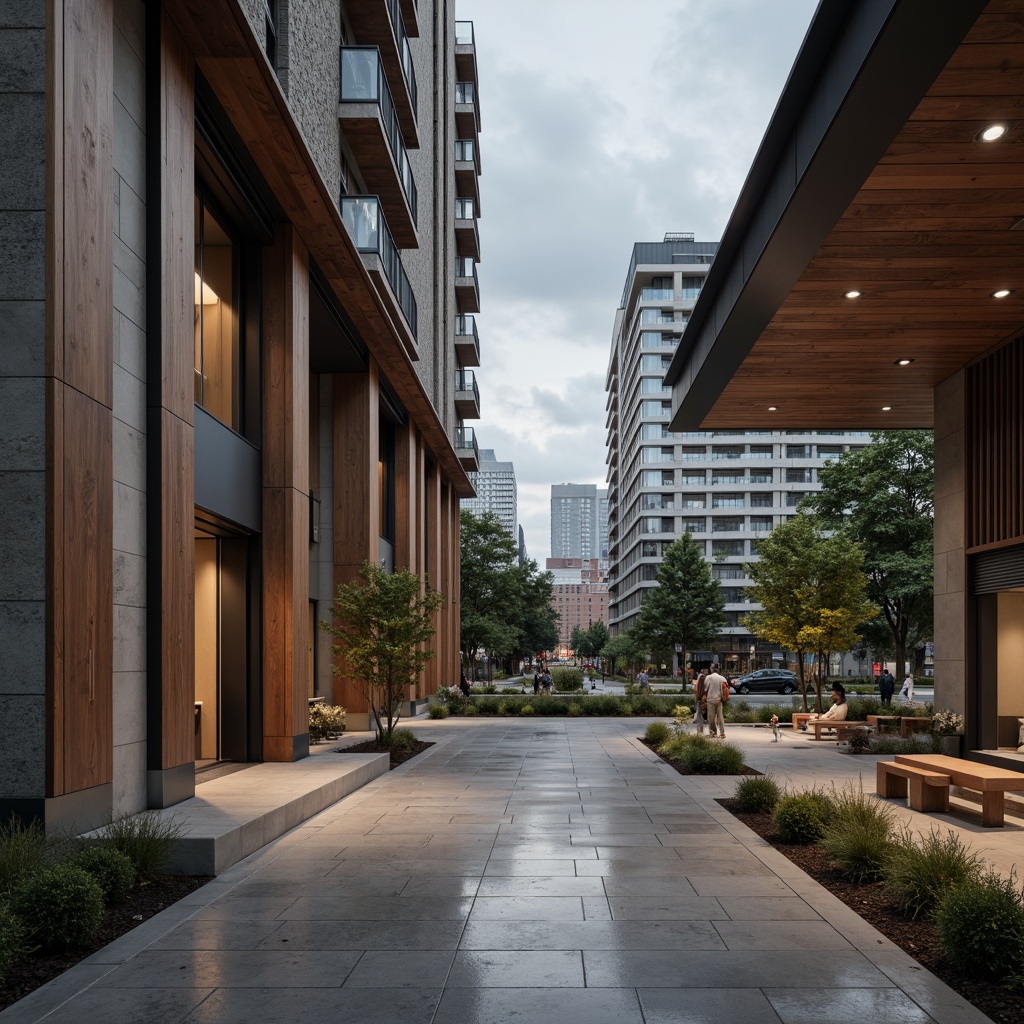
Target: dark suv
[{"x": 766, "y": 680}]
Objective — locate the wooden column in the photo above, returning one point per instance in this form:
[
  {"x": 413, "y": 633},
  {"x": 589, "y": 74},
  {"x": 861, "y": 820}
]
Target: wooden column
[
  {"x": 170, "y": 440},
  {"x": 407, "y": 510},
  {"x": 79, "y": 418},
  {"x": 432, "y": 569},
  {"x": 285, "y": 497},
  {"x": 356, "y": 493},
  {"x": 452, "y": 589}
]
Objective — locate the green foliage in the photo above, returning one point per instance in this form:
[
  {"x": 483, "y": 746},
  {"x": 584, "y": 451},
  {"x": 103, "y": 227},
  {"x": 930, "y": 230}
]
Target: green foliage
[
  {"x": 575, "y": 709},
  {"x": 113, "y": 871},
  {"x": 508, "y": 707},
  {"x": 402, "y": 739},
  {"x": 881, "y": 496},
  {"x": 920, "y": 874},
  {"x": 23, "y": 849},
  {"x": 657, "y": 733},
  {"x": 858, "y": 836},
  {"x": 437, "y": 711},
  {"x": 981, "y": 927},
  {"x": 800, "y": 818},
  {"x": 12, "y": 936},
  {"x": 683, "y": 715},
  {"x": 470, "y": 710},
  {"x": 60, "y": 906},
  {"x": 623, "y": 647},
  {"x": 383, "y": 624},
  {"x": 567, "y": 680},
  {"x": 148, "y": 840},
  {"x": 526, "y": 709},
  {"x": 326, "y": 721},
  {"x": 701, "y": 755},
  {"x": 686, "y": 606},
  {"x": 758, "y": 794},
  {"x": 453, "y": 699},
  {"x": 510, "y": 690},
  {"x": 890, "y": 744}
]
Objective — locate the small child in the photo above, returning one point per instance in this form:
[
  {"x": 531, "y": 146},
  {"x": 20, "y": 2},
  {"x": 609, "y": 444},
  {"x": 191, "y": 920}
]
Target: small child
[{"x": 776, "y": 731}]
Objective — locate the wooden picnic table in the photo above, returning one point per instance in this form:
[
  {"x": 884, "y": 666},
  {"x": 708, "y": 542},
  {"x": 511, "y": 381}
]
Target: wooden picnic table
[
  {"x": 881, "y": 723},
  {"x": 990, "y": 782},
  {"x": 910, "y": 724}
]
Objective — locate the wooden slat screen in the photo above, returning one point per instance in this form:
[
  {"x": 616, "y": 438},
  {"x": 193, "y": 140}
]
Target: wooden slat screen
[{"x": 995, "y": 448}]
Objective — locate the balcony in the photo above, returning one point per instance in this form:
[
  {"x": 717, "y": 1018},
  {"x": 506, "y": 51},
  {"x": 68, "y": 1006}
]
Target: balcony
[
  {"x": 467, "y": 111},
  {"x": 411, "y": 14},
  {"x": 467, "y": 341},
  {"x": 465, "y": 51},
  {"x": 467, "y": 287},
  {"x": 467, "y": 170},
  {"x": 370, "y": 122},
  {"x": 467, "y": 395},
  {"x": 467, "y": 234},
  {"x": 466, "y": 449},
  {"x": 381, "y": 24},
  {"x": 364, "y": 219}
]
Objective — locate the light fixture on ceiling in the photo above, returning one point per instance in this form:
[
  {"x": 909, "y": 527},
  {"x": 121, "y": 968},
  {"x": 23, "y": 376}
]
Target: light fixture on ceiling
[
  {"x": 773, "y": 408},
  {"x": 886, "y": 408},
  {"x": 852, "y": 294},
  {"x": 904, "y": 362},
  {"x": 993, "y": 131},
  {"x": 1002, "y": 293}
]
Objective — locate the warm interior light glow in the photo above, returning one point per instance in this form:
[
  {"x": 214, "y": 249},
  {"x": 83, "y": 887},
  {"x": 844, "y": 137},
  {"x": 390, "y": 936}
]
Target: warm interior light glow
[
  {"x": 852, "y": 294},
  {"x": 992, "y": 132},
  {"x": 886, "y": 408},
  {"x": 773, "y": 408},
  {"x": 1001, "y": 293},
  {"x": 209, "y": 296},
  {"x": 904, "y": 362}
]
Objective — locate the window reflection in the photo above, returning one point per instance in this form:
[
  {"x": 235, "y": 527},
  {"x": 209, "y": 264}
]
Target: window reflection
[{"x": 217, "y": 349}]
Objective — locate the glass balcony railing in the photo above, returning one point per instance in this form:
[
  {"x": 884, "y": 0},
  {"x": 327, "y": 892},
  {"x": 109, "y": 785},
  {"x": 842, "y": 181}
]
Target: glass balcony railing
[
  {"x": 465, "y": 380},
  {"x": 465, "y": 209},
  {"x": 398, "y": 29},
  {"x": 656, "y": 295},
  {"x": 465, "y": 327},
  {"x": 464, "y": 33},
  {"x": 465, "y": 151},
  {"x": 465, "y": 437},
  {"x": 465, "y": 92},
  {"x": 364, "y": 220},
  {"x": 363, "y": 81},
  {"x": 465, "y": 266}
]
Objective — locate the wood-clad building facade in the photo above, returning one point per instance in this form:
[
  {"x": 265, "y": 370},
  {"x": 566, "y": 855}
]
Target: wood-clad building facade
[
  {"x": 871, "y": 277},
  {"x": 228, "y": 362}
]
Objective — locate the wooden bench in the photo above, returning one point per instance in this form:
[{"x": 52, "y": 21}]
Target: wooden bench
[
  {"x": 910, "y": 724},
  {"x": 990, "y": 782},
  {"x": 929, "y": 790},
  {"x": 840, "y": 726},
  {"x": 799, "y": 717},
  {"x": 882, "y": 723}
]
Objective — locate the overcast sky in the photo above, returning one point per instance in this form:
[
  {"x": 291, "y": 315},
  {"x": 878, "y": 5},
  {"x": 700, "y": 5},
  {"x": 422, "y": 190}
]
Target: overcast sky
[{"x": 603, "y": 124}]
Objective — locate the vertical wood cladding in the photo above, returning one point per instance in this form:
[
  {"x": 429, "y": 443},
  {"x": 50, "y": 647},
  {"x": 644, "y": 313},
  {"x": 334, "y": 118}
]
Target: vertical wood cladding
[
  {"x": 286, "y": 457},
  {"x": 995, "y": 448},
  {"x": 79, "y": 396},
  {"x": 170, "y": 482}
]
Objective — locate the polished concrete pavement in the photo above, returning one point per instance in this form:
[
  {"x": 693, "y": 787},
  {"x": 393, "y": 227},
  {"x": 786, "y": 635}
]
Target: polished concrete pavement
[{"x": 540, "y": 870}]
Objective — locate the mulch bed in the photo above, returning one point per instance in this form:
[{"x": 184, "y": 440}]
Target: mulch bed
[
  {"x": 918, "y": 938},
  {"x": 747, "y": 770},
  {"x": 399, "y": 756},
  {"x": 38, "y": 968}
]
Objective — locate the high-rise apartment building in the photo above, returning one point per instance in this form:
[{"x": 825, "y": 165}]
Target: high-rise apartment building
[
  {"x": 496, "y": 491},
  {"x": 579, "y": 595},
  {"x": 239, "y": 247},
  {"x": 727, "y": 488},
  {"x": 579, "y": 520}
]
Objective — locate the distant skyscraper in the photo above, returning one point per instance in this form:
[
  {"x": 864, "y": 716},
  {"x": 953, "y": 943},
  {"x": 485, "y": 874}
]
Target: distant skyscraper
[
  {"x": 495, "y": 484},
  {"x": 576, "y": 521}
]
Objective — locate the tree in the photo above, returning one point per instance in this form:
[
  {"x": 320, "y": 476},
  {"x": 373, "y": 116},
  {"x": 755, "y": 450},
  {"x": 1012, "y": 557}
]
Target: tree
[
  {"x": 622, "y": 646},
  {"x": 686, "y": 606},
  {"x": 594, "y": 639},
  {"x": 811, "y": 589},
  {"x": 882, "y": 496},
  {"x": 382, "y": 623},
  {"x": 577, "y": 641},
  {"x": 539, "y": 623}
]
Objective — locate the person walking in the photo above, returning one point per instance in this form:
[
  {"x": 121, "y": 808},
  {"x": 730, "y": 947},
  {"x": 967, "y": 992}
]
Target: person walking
[
  {"x": 714, "y": 689},
  {"x": 907, "y": 689},
  {"x": 536, "y": 682},
  {"x": 699, "y": 705},
  {"x": 886, "y": 685}
]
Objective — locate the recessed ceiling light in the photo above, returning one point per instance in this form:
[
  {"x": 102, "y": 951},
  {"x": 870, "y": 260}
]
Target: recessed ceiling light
[
  {"x": 773, "y": 408},
  {"x": 1002, "y": 293},
  {"x": 886, "y": 408},
  {"x": 904, "y": 362},
  {"x": 994, "y": 131},
  {"x": 852, "y": 294}
]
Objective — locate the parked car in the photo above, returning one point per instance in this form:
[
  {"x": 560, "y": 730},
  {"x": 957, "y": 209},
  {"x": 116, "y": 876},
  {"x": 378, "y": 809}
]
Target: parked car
[{"x": 766, "y": 680}]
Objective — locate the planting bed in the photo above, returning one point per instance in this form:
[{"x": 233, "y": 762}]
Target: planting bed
[{"x": 399, "y": 756}]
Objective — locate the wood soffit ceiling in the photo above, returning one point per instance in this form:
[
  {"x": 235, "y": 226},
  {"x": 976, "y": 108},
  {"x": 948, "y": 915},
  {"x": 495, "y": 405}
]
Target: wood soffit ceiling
[{"x": 928, "y": 238}]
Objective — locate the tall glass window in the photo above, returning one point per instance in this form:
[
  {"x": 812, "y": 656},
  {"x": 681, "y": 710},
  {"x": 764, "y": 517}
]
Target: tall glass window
[{"x": 218, "y": 361}]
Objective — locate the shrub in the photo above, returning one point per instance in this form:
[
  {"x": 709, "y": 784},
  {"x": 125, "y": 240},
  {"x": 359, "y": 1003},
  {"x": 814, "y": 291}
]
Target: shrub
[
  {"x": 898, "y": 744},
  {"x": 919, "y": 875},
  {"x": 981, "y": 927},
  {"x": 470, "y": 710},
  {"x": 487, "y": 705},
  {"x": 758, "y": 794},
  {"x": 148, "y": 840},
  {"x": 61, "y": 906},
  {"x": 858, "y": 836},
  {"x": 111, "y": 869},
  {"x": 507, "y": 707},
  {"x": 683, "y": 715},
  {"x": 403, "y": 739},
  {"x": 437, "y": 711},
  {"x": 511, "y": 689},
  {"x": 646, "y": 704},
  {"x": 700, "y": 755},
  {"x": 551, "y": 707},
  {"x": 858, "y": 741},
  {"x": 800, "y": 818},
  {"x": 326, "y": 721},
  {"x": 12, "y": 935},
  {"x": 488, "y": 688},
  {"x": 23, "y": 849},
  {"x": 603, "y": 704},
  {"x": 575, "y": 709},
  {"x": 657, "y": 733},
  {"x": 454, "y": 700},
  {"x": 567, "y": 680},
  {"x": 526, "y": 709}
]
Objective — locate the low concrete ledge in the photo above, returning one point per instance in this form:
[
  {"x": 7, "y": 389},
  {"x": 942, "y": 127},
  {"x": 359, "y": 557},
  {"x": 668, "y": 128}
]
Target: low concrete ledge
[{"x": 238, "y": 814}]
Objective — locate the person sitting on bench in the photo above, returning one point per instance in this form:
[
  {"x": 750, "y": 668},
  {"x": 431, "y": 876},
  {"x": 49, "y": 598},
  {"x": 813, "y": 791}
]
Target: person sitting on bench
[{"x": 837, "y": 712}]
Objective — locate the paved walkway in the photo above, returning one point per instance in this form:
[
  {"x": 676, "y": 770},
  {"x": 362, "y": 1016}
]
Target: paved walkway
[{"x": 545, "y": 870}]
